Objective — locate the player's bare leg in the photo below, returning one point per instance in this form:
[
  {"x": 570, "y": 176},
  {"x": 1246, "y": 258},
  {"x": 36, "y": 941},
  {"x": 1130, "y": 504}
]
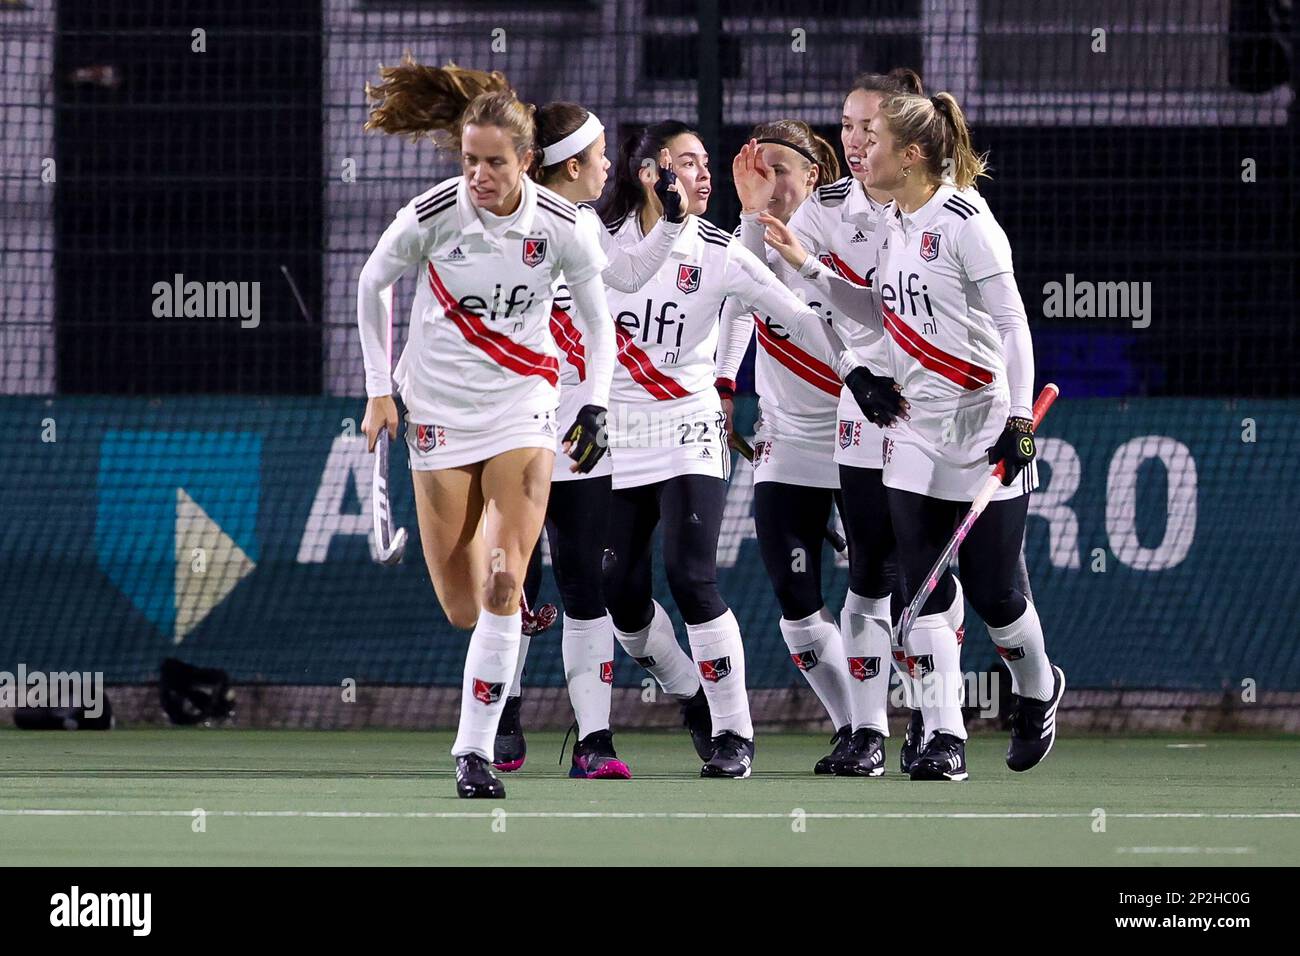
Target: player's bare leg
[
  {"x": 482, "y": 522},
  {"x": 449, "y": 507},
  {"x": 514, "y": 486}
]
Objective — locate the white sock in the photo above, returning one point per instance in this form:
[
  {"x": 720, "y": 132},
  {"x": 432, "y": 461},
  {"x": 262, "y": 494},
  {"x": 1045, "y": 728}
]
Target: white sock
[
  {"x": 865, "y": 632},
  {"x": 1021, "y": 645},
  {"x": 489, "y": 669},
  {"x": 588, "y": 650},
  {"x": 818, "y": 652},
  {"x": 524, "y": 641},
  {"x": 720, "y": 656},
  {"x": 898, "y": 660},
  {"x": 655, "y": 648},
  {"x": 935, "y": 657}
]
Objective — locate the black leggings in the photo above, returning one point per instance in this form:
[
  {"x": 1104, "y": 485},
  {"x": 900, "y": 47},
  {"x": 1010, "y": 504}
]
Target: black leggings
[
  {"x": 873, "y": 559},
  {"x": 791, "y": 519},
  {"x": 577, "y": 520},
  {"x": 690, "y": 510},
  {"x": 991, "y": 558}
]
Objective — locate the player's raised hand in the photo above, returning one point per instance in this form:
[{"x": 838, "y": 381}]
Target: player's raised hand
[
  {"x": 381, "y": 413},
  {"x": 667, "y": 188},
  {"x": 781, "y": 238},
  {"x": 755, "y": 180}
]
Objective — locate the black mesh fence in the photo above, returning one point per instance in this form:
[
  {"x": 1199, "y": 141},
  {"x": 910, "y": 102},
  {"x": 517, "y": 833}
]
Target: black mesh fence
[{"x": 1143, "y": 160}]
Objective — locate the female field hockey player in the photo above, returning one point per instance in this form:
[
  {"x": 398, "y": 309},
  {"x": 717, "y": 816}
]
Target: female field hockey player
[
  {"x": 838, "y": 224},
  {"x": 960, "y": 348},
  {"x": 795, "y": 476},
  {"x": 668, "y": 442},
  {"x": 479, "y": 374},
  {"x": 570, "y": 161}
]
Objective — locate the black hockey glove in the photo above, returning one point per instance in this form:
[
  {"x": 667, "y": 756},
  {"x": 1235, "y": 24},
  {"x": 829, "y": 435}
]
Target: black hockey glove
[
  {"x": 669, "y": 198},
  {"x": 1014, "y": 447},
  {"x": 877, "y": 395},
  {"x": 586, "y": 437}
]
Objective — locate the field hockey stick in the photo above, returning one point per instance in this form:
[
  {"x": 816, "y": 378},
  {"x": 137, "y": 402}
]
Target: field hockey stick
[
  {"x": 390, "y": 542},
  {"x": 747, "y": 452},
  {"x": 986, "y": 493}
]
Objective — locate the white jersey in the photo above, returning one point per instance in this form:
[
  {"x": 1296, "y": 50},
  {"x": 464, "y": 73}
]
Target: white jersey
[
  {"x": 838, "y": 224},
  {"x": 798, "y": 387},
  {"x": 667, "y": 334},
  {"x": 668, "y": 330},
  {"x": 567, "y": 335},
  {"x": 627, "y": 269},
  {"x": 634, "y": 266},
  {"x": 943, "y": 342},
  {"x": 483, "y": 340}
]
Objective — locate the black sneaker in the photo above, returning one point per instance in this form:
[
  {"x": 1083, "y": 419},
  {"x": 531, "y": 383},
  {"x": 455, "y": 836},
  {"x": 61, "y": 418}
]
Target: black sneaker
[
  {"x": 474, "y": 778},
  {"x": 697, "y": 719},
  {"x": 912, "y": 739},
  {"x": 510, "y": 749},
  {"x": 1033, "y": 726},
  {"x": 944, "y": 758},
  {"x": 866, "y": 756},
  {"x": 733, "y": 756},
  {"x": 840, "y": 746},
  {"x": 594, "y": 759}
]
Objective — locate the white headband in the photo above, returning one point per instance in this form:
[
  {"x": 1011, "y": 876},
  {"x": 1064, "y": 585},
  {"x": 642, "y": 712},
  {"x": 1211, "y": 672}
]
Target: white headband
[{"x": 574, "y": 143}]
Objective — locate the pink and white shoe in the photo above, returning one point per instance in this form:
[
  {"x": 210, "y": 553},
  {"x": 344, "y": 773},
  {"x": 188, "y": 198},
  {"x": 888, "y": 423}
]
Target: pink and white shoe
[{"x": 594, "y": 759}]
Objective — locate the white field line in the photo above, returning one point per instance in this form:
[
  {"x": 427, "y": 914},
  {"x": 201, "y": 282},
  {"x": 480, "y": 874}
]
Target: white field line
[
  {"x": 1162, "y": 850},
  {"x": 625, "y": 815}
]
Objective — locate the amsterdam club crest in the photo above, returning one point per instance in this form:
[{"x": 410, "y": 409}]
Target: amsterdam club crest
[
  {"x": 534, "y": 251},
  {"x": 716, "y": 669},
  {"x": 929, "y": 246},
  {"x": 688, "y": 278}
]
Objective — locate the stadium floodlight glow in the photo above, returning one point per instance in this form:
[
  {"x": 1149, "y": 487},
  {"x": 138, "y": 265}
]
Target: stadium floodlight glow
[{"x": 390, "y": 542}]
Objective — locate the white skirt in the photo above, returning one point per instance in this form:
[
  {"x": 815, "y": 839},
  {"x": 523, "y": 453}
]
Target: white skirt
[
  {"x": 858, "y": 443},
  {"x": 433, "y": 446},
  {"x": 805, "y": 460},
  {"x": 942, "y": 451},
  {"x": 654, "y": 441}
]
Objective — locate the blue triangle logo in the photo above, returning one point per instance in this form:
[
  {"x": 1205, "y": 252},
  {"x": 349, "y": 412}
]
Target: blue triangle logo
[{"x": 150, "y": 484}]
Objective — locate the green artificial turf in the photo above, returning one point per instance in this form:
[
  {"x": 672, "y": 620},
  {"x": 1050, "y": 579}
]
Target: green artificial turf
[{"x": 150, "y": 782}]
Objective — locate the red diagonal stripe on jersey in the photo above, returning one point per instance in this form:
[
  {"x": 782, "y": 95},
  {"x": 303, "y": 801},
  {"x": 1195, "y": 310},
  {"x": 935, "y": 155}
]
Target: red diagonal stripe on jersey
[
  {"x": 569, "y": 339},
  {"x": 849, "y": 273},
  {"x": 955, "y": 370},
  {"x": 643, "y": 371},
  {"x": 503, "y": 350},
  {"x": 814, "y": 372}
]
